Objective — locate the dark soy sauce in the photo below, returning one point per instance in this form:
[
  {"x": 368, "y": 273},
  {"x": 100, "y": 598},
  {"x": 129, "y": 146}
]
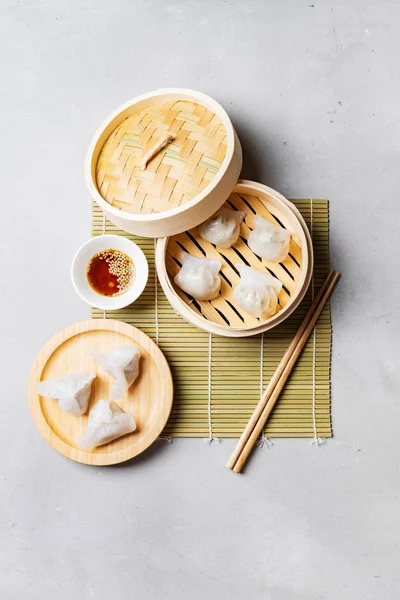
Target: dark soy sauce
[{"x": 110, "y": 272}]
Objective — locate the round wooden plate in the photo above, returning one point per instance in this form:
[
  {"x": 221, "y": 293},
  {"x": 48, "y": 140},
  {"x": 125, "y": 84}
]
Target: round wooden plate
[{"x": 149, "y": 398}]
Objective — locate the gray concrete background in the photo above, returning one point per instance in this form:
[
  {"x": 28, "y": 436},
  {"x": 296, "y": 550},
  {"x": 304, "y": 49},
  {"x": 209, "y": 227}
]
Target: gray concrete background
[{"x": 313, "y": 89}]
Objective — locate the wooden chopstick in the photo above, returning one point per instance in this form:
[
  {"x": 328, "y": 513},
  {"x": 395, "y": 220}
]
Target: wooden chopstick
[
  {"x": 274, "y": 388},
  {"x": 275, "y": 378}
]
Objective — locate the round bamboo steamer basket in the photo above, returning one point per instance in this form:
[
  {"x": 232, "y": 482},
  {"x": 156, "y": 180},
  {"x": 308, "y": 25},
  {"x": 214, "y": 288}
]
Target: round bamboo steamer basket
[
  {"x": 163, "y": 162},
  {"x": 221, "y": 316}
]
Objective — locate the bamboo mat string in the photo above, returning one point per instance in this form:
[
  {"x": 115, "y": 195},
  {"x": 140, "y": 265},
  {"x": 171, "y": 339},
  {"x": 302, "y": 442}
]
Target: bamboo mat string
[
  {"x": 168, "y": 439},
  {"x": 210, "y": 438},
  {"x": 156, "y": 296},
  {"x": 104, "y": 232},
  {"x": 317, "y": 440},
  {"x": 262, "y": 440}
]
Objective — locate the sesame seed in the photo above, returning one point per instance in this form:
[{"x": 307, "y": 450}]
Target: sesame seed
[{"x": 120, "y": 265}]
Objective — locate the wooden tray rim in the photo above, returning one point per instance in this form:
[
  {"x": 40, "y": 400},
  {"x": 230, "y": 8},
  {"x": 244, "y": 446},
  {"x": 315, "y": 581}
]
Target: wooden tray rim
[{"x": 88, "y": 457}]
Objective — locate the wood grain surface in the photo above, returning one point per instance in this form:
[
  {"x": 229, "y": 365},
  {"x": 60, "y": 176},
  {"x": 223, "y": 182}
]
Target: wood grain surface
[{"x": 149, "y": 398}]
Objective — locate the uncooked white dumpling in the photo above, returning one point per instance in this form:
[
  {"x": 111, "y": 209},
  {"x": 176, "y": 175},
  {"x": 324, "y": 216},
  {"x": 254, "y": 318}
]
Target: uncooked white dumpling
[
  {"x": 223, "y": 228},
  {"x": 122, "y": 364},
  {"x": 72, "y": 391},
  {"x": 106, "y": 422},
  {"x": 269, "y": 241},
  {"x": 257, "y": 292},
  {"x": 199, "y": 277}
]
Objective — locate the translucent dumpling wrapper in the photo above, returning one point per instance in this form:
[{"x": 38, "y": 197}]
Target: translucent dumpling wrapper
[
  {"x": 106, "y": 423},
  {"x": 122, "y": 364},
  {"x": 223, "y": 228},
  {"x": 199, "y": 277},
  {"x": 257, "y": 292},
  {"x": 269, "y": 241},
  {"x": 72, "y": 391}
]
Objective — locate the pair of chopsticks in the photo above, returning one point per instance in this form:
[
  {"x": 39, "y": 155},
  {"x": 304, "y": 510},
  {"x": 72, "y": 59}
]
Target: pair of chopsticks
[{"x": 278, "y": 380}]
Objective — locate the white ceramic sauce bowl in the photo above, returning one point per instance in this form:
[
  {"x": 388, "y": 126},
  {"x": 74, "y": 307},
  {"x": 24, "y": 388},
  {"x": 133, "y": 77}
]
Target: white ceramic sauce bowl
[{"x": 80, "y": 265}]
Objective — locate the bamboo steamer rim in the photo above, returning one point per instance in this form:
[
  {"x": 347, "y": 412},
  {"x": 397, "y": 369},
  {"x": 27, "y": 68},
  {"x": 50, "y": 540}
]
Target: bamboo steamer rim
[
  {"x": 243, "y": 186},
  {"x": 119, "y": 115}
]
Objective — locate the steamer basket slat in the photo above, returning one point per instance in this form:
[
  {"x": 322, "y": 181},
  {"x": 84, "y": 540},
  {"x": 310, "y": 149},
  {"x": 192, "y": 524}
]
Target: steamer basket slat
[{"x": 221, "y": 315}]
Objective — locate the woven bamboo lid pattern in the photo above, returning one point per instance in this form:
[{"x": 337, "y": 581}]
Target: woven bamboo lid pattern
[{"x": 177, "y": 173}]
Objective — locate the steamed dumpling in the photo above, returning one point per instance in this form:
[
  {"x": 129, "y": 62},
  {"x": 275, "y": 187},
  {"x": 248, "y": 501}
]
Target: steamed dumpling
[
  {"x": 72, "y": 391},
  {"x": 269, "y": 241},
  {"x": 122, "y": 364},
  {"x": 223, "y": 228},
  {"x": 106, "y": 422},
  {"x": 257, "y": 292},
  {"x": 199, "y": 277}
]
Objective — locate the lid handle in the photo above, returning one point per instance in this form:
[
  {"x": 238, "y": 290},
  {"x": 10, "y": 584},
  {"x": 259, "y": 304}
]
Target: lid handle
[{"x": 166, "y": 139}]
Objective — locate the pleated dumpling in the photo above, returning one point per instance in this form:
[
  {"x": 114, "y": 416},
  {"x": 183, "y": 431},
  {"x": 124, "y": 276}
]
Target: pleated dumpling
[
  {"x": 106, "y": 423},
  {"x": 223, "y": 228},
  {"x": 72, "y": 391},
  {"x": 199, "y": 277},
  {"x": 257, "y": 292},
  {"x": 122, "y": 364},
  {"x": 269, "y": 241}
]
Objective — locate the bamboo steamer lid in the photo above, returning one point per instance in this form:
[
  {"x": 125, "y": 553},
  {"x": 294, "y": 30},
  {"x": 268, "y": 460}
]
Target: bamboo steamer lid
[
  {"x": 221, "y": 315},
  {"x": 163, "y": 162}
]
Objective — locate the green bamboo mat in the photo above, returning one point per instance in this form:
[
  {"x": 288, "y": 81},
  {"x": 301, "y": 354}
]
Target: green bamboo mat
[{"x": 218, "y": 381}]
